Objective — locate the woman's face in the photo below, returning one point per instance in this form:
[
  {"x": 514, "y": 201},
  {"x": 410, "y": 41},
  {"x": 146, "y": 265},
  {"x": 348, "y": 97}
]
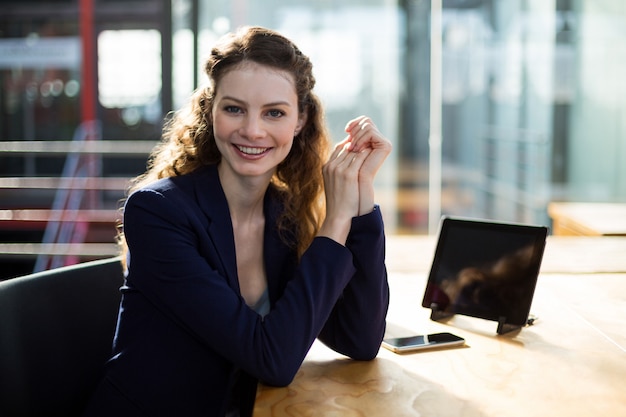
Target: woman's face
[{"x": 255, "y": 118}]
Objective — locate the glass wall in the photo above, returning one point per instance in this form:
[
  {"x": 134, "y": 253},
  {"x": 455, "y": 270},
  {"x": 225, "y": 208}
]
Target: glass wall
[
  {"x": 533, "y": 107},
  {"x": 39, "y": 83},
  {"x": 595, "y": 153},
  {"x": 42, "y": 60}
]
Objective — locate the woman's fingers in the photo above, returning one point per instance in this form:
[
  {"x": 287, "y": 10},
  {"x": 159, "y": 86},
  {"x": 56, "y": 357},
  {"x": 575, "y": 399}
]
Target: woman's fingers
[
  {"x": 345, "y": 159},
  {"x": 363, "y": 133}
]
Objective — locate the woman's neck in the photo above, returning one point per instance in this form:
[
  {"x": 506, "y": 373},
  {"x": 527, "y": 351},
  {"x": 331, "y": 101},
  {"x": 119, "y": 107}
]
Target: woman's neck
[{"x": 245, "y": 195}]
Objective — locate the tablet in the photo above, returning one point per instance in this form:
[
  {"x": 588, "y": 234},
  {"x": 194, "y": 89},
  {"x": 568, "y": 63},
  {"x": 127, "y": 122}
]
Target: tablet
[{"x": 485, "y": 269}]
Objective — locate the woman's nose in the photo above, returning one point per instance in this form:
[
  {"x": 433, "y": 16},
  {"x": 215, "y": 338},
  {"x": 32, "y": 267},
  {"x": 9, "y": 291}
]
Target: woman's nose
[{"x": 252, "y": 128}]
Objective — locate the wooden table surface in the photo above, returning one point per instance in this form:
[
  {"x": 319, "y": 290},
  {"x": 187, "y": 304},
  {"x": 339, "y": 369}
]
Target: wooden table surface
[
  {"x": 571, "y": 362},
  {"x": 588, "y": 219}
]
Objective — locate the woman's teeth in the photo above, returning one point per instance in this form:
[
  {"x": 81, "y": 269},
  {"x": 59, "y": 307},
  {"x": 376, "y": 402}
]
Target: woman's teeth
[{"x": 251, "y": 151}]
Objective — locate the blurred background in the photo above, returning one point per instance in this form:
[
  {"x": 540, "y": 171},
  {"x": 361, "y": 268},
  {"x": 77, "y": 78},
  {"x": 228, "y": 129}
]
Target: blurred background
[{"x": 496, "y": 108}]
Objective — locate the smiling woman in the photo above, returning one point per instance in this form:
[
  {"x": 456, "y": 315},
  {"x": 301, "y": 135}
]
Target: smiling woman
[
  {"x": 255, "y": 119},
  {"x": 246, "y": 241}
]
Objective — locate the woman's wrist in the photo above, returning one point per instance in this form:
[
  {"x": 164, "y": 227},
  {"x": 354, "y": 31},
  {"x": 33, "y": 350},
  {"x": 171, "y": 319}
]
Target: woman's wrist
[
  {"x": 366, "y": 199},
  {"x": 336, "y": 229}
]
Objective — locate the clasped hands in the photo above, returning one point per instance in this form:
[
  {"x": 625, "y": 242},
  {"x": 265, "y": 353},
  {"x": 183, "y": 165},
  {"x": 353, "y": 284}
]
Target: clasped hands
[{"x": 349, "y": 176}]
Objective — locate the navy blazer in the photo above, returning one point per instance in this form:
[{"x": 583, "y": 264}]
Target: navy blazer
[{"x": 186, "y": 342}]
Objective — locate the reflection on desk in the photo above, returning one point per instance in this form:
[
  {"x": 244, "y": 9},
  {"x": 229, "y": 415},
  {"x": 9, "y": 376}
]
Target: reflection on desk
[{"x": 571, "y": 362}]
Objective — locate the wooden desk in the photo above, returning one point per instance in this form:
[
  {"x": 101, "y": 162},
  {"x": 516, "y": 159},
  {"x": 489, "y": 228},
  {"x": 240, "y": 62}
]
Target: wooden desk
[
  {"x": 572, "y": 362},
  {"x": 588, "y": 219}
]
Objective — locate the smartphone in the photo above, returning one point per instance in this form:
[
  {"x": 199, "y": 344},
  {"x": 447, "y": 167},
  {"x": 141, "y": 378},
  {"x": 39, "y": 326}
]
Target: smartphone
[{"x": 429, "y": 341}]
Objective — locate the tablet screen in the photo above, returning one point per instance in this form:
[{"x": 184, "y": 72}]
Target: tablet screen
[{"x": 485, "y": 269}]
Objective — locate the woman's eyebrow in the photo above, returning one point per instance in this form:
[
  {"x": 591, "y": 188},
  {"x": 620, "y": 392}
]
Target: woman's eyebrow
[{"x": 272, "y": 104}]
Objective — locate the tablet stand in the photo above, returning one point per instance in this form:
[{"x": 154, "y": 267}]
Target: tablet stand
[
  {"x": 436, "y": 314},
  {"x": 504, "y": 327}
]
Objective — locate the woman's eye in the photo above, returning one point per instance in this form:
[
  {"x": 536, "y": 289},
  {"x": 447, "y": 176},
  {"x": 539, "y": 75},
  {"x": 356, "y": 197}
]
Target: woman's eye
[
  {"x": 232, "y": 109},
  {"x": 276, "y": 113}
]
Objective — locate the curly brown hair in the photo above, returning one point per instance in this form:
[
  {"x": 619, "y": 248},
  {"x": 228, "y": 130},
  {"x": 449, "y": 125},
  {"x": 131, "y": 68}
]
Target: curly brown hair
[{"x": 188, "y": 142}]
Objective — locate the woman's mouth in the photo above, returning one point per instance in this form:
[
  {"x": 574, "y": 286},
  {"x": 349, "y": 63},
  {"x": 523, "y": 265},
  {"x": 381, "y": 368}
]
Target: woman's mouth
[{"x": 252, "y": 151}]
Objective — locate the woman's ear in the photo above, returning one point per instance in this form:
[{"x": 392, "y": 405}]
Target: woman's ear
[{"x": 301, "y": 123}]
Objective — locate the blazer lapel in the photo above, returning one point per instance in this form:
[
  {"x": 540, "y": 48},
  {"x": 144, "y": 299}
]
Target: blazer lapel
[
  {"x": 275, "y": 250},
  {"x": 211, "y": 199}
]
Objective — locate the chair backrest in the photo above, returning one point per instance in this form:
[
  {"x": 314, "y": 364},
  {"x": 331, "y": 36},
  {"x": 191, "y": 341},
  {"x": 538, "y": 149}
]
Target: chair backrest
[{"x": 56, "y": 333}]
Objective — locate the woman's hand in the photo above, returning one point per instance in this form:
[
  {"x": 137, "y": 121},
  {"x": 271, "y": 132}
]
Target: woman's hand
[
  {"x": 364, "y": 136},
  {"x": 349, "y": 176},
  {"x": 341, "y": 184}
]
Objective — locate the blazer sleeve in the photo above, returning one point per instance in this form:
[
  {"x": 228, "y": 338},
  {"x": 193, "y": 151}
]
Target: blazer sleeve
[
  {"x": 357, "y": 324},
  {"x": 175, "y": 268}
]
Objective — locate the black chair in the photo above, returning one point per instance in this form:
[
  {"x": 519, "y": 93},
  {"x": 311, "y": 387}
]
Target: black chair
[{"x": 56, "y": 333}]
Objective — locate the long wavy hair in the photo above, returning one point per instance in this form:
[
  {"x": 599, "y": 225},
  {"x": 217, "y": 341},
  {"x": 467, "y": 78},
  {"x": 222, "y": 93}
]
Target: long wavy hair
[{"x": 188, "y": 142}]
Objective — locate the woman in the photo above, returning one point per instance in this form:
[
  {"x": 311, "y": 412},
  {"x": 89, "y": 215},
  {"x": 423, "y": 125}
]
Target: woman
[{"x": 234, "y": 266}]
